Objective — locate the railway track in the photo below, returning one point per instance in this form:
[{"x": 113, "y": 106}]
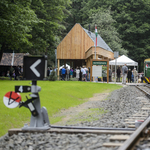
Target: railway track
[
  {"x": 143, "y": 131},
  {"x": 115, "y": 138}
]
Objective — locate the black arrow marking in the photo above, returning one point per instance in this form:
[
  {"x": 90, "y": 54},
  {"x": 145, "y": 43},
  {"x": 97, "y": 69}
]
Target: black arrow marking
[{"x": 9, "y": 101}]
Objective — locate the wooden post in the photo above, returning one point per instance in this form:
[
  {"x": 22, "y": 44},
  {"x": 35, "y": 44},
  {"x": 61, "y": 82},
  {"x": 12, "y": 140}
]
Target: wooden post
[
  {"x": 107, "y": 71},
  {"x": 96, "y": 56},
  {"x": 91, "y": 71},
  {"x": 58, "y": 64}
]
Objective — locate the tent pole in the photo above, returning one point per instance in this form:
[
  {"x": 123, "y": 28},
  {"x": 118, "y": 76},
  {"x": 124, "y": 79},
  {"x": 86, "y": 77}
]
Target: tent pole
[
  {"x": 115, "y": 69},
  {"x": 134, "y": 74}
]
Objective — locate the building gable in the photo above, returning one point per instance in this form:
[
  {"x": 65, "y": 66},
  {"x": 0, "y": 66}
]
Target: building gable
[{"x": 75, "y": 44}]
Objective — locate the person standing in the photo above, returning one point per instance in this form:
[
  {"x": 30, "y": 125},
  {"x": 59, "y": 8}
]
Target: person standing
[
  {"x": 118, "y": 74},
  {"x": 63, "y": 72},
  {"x": 124, "y": 73},
  {"x": 22, "y": 71},
  {"x": 135, "y": 75},
  {"x": 89, "y": 73},
  {"x": 132, "y": 76},
  {"x": 86, "y": 70},
  {"x": 83, "y": 74},
  {"x": 129, "y": 76},
  {"x": 48, "y": 72},
  {"x": 16, "y": 73},
  {"x": 78, "y": 73},
  {"x": 67, "y": 74},
  {"x": 80, "y": 77},
  {"x": 71, "y": 73},
  {"x": 11, "y": 72},
  {"x": 8, "y": 73}
]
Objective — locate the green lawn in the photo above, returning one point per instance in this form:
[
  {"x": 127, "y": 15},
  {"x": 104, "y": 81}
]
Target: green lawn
[{"x": 54, "y": 96}]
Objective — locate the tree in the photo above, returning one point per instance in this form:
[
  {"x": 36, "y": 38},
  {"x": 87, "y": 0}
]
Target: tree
[
  {"x": 47, "y": 33},
  {"x": 31, "y": 26},
  {"x": 133, "y": 23},
  {"x": 75, "y": 15},
  {"x": 104, "y": 21},
  {"x": 16, "y": 22}
]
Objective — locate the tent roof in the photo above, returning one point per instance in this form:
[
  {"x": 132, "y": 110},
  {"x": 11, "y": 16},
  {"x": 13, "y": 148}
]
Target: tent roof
[
  {"x": 63, "y": 66},
  {"x": 123, "y": 60}
]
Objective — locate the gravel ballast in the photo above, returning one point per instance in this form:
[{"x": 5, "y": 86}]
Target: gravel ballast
[{"x": 120, "y": 105}]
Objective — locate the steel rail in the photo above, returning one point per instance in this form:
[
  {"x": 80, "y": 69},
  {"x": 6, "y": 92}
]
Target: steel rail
[
  {"x": 147, "y": 86},
  {"x": 146, "y": 93},
  {"x": 128, "y": 144},
  {"x": 92, "y": 128}
]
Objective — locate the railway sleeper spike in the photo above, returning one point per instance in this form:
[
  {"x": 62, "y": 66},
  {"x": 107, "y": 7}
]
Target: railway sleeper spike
[{"x": 147, "y": 132}]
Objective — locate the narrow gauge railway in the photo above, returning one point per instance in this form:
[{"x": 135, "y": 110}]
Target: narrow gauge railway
[
  {"x": 70, "y": 137},
  {"x": 145, "y": 89}
]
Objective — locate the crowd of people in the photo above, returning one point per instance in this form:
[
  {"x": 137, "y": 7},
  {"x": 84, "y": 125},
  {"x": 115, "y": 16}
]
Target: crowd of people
[
  {"x": 50, "y": 70},
  {"x": 83, "y": 74},
  {"x": 131, "y": 75},
  {"x": 80, "y": 73},
  {"x": 15, "y": 72}
]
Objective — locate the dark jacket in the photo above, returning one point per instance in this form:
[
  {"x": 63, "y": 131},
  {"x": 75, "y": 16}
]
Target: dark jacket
[
  {"x": 129, "y": 74},
  {"x": 118, "y": 72}
]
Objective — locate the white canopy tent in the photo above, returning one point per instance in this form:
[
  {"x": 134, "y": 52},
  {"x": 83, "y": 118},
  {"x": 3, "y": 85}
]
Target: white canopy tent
[
  {"x": 120, "y": 61},
  {"x": 63, "y": 66},
  {"x": 123, "y": 60}
]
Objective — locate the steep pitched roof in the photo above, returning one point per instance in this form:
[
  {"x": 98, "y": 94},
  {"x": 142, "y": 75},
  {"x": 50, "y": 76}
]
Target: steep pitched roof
[
  {"x": 100, "y": 42},
  {"x": 12, "y": 59},
  {"x": 6, "y": 59}
]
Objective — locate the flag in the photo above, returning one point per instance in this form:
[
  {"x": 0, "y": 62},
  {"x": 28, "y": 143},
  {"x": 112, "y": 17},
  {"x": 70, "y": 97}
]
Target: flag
[{"x": 96, "y": 34}]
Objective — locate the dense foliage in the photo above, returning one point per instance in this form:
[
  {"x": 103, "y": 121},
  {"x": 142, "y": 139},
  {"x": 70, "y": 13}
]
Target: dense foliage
[
  {"x": 37, "y": 26},
  {"x": 133, "y": 22},
  {"x": 128, "y": 20},
  {"x": 32, "y": 26}
]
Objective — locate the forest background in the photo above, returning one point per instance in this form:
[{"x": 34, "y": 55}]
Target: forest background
[{"x": 38, "y": 26}]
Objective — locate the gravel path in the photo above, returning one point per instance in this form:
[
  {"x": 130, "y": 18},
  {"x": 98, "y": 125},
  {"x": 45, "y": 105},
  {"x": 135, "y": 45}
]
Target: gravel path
[{"x": 119, "y": 105}]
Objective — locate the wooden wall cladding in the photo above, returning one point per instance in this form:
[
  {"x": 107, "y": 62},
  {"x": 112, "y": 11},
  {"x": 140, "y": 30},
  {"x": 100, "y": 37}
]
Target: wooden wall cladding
[
  {"x": 99, "y": 51},
  {"x": 75, "y": 44}
]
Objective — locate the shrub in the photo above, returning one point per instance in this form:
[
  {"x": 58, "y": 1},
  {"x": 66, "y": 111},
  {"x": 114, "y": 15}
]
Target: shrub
[{"x": 52, "y": 76}]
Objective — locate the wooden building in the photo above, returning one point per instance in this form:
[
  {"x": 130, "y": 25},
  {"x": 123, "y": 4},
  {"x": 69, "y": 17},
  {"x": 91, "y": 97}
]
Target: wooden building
[
  {"x": 78, "y": 48},
  {"x": 11, "y": 59}
]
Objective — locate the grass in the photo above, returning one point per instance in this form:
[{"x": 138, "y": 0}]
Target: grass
[{"x": 53, "y": 95}]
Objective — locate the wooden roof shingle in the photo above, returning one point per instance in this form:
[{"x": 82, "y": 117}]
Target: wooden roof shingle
[{"x": 12, "y": 59}]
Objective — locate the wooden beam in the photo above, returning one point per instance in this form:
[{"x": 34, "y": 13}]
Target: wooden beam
[
  {"x": 58, "y": 63},
  {"x": 119, "y": 137},
  {"x": 112, "y": 144}
]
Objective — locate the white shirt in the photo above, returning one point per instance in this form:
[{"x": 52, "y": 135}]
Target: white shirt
[{"x": 83, "y": 71}]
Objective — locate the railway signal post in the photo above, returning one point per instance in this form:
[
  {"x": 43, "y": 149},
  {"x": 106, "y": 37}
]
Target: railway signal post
[{"x": 34, "y": 69}]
